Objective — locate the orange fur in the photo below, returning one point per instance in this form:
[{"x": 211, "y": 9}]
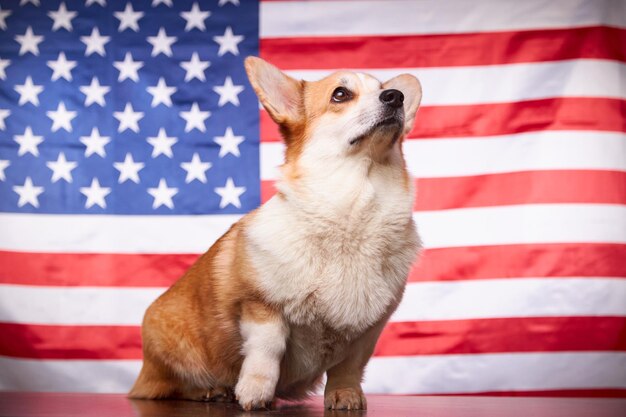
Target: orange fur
[
  {"x": 190, "y": 334},
  {"x": 194, "y": 335}
]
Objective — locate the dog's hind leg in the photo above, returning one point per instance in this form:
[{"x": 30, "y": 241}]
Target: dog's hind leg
[
  {"x": 153, "y": 382},
  {"x": 156, "y": 382}
]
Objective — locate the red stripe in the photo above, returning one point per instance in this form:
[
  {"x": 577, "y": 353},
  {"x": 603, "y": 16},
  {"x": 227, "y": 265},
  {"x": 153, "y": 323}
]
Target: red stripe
[
  {"x": 398, "y": 339},
  {"x": 70, "y": 342},
  {"x": 419, "y": 51},
  {"x": 445, "y": 264},
  {"x": 267, "y": 190},
  {"x": 92, "y": 269},
  {"x": 566, "y": 113},
  {"x": 528, "y": 187},
  {"x": 574, "y": 393},
  {"x": 519, "y": 261},
  {"x": 532, "y": 334}
]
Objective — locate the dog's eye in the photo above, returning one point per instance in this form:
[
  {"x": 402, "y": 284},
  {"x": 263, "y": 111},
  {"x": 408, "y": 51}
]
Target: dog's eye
[{"x": 340, "y": 95}]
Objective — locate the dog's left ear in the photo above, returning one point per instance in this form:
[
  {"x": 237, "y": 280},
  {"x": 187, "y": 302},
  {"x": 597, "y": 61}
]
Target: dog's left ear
[{"x": 412, "y": 90}]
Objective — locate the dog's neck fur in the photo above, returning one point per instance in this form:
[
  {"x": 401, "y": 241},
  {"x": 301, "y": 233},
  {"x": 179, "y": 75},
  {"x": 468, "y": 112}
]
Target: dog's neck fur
[
  {"x": 336, "y": 245},
  {"x": 337, "y": 188}
]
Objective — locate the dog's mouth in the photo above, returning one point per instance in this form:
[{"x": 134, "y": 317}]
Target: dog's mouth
[{"x": 387, "y": 123}]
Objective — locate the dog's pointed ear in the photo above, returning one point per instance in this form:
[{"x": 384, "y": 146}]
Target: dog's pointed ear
[
  {"x": 280, "y": 94},
  {"x": 412, "y": 90}
]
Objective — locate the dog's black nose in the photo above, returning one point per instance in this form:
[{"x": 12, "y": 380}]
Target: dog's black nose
[{"x": 391, "y": 97}]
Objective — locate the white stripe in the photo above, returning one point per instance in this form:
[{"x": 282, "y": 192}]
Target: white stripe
[
  {"x": 434, "y": 374},
  {"x": 116, "y": 306},
  {"x": 111, "y": 234},
  {"x": 525, "y": 297},
  {"x": 523, "y": 224},
  {"x": 448, "y": 374},
  {"x": 507, "y": 83},
  {"x": 398, "y": 17},
  {"x": 520, "y": 224},
  {"x": 103, "y": 376},
  {"x": 547, "y": 150},
  {"x": 513, "y": 153}
]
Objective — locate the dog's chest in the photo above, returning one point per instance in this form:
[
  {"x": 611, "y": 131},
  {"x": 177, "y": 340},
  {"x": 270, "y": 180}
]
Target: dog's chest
[
  {"x": 312, "y": 349},
  {"x": 344, "y": 272}
]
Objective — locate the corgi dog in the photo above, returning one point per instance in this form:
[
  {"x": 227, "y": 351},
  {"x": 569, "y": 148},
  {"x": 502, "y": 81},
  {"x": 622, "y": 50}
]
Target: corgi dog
[{"x": 303, "y": 285}]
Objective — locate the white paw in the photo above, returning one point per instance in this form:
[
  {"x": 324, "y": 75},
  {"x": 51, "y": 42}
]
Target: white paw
[{"x": 254, "y": 391}]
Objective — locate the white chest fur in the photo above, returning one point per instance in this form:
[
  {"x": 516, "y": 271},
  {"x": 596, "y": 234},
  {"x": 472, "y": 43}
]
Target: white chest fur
[{"x": 340, "y": 257}]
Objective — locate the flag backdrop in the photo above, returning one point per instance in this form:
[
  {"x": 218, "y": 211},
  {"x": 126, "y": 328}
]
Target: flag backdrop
[{"x": 130, "y": 140}]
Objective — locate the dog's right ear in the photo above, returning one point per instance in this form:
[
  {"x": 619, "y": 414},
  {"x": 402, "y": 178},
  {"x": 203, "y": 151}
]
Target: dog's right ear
[{"x": 280, "y": 94}]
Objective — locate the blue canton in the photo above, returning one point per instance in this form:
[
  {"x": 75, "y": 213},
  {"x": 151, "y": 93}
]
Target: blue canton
[{"x": 119, "y": 107}]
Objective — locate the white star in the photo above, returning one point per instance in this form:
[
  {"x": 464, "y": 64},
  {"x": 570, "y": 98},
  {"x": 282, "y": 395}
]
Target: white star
[
  {"x": 129, "y": 169},
  {"x": 94, "y": 92},
  {"x": 195, "y": 18},
  {"x": 129, "y": 119},
  {"x": 163, "y": 195},
  {"x": 29, "y": 194},
  {"x": 95, "y": 194},
  {"x": 95, "y": 42},
  {"x": 100, "y": 2},
  {"x": 3, "y": 165},
  {"x": 29, "y": 42},
  {"x": 195, "y": 68},
  {"x": 161, "y": 93},
  {"x": 161, "y": 43},
  {"x": 230, "y": 194},
  {"x": 128, "y": 68},
  {"x": 3, "y": 15},
  {"x": 228, "y": 92},
  {"x": 61, "y": 168},
  {"x": 3, "y": 115},
  {"x": 229, "y": 143},
  {"x": 28, "y": 142},
  {"x": 34, "y": 2},
  {"x": 4, "y": 63},
  {"x": 162, "y": 144},
  {"x": 196, "y": 169},
  {"x": 228, "y": 42},
  {"x": 29, "y": 92},
  {"x": 129, "y": 18},
  {"x": 223, "y": 2},
  {"x": 195, "y": 118},
  {"x": 61, "y": 118},
  {"x": 168, "y": 3},
  {"x": 62, "y": 67},
  {"x": 95, "y": 143},
  {"x": 62, "y": 18}
]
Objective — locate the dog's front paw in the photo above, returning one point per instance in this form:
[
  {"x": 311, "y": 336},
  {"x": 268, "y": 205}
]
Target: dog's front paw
[
  {"x": 345, "y": 399},
  {"x": 255, "y": 391}
]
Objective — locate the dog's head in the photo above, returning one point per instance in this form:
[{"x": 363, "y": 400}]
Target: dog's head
[{"x": 346, "y": 113}]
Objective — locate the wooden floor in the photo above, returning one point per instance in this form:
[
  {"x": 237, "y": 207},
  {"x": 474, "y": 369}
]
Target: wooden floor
[{"x": 104, "y": 405}]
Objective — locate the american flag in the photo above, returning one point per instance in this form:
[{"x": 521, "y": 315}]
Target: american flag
[{"x": 130, "y": 140}]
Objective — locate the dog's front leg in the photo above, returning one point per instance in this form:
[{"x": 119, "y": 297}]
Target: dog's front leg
[
  {"x": 343, "y": 387},
  {"x": 264, "y": 335}
]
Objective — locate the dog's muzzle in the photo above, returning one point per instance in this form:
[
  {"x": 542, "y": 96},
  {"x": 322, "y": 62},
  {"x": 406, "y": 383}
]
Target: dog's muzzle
[{"x": 391, "y": 116}]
